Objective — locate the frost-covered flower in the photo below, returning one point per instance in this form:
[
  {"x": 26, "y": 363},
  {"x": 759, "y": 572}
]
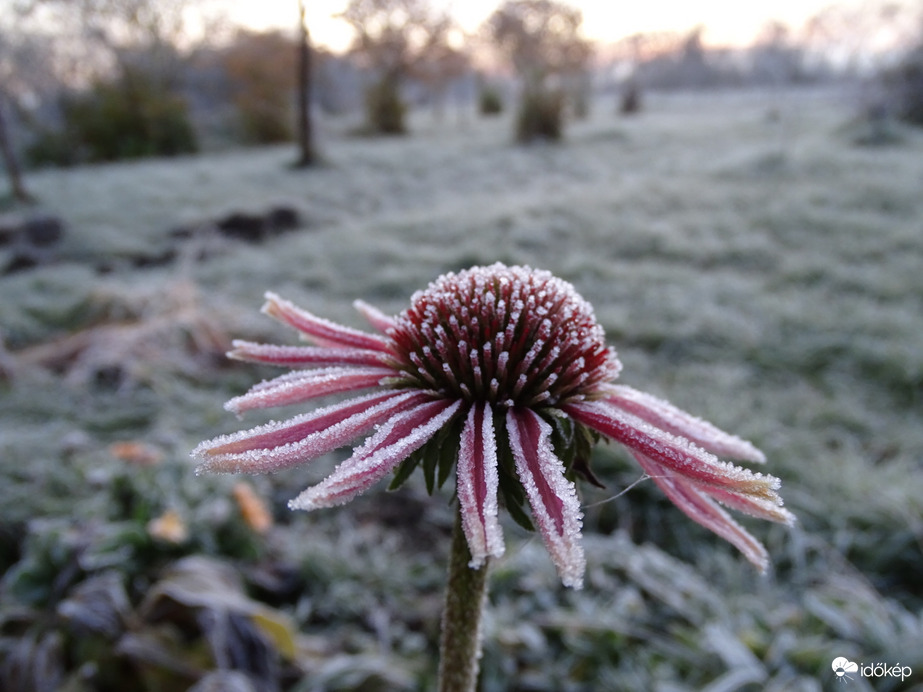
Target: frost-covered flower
[{"x": 502, "y": 373}]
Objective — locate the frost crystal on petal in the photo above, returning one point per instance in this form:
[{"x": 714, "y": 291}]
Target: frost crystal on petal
[
  {"x": 374, "y": 316},
  {"x": 322, "y": 332},
  {"x": 552, "y": 497},
  {"x": 667, "y": 417},
  {"x": 676, "y": 453},
  {"x": 277, "y": 446},
  {"x": 304, "y": 385},
  {"x": 696, "y": 505},
  {"x": 691, "y": 477},
  {"x": 390, "y": 445},
  {"x": 477, "y": 485},
  {"x": 304, "y": 356}
]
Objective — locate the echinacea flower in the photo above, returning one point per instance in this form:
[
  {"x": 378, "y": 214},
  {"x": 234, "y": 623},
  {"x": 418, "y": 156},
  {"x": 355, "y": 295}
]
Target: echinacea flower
[{"x": 503, "y": 373}]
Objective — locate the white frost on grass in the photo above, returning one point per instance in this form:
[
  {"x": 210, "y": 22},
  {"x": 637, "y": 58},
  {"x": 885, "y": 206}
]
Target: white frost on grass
[{"x": 762, "y": 274}]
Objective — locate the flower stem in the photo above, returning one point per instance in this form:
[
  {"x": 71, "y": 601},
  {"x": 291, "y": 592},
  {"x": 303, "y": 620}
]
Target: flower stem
[{"x": 460, "y": 645}]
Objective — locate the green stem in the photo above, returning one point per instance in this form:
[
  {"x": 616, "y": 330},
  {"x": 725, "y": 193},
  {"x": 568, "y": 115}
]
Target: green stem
[{"x": 466, "y": 591}]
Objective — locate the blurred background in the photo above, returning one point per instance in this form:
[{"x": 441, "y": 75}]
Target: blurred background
[{"x": 735, "y": 189}]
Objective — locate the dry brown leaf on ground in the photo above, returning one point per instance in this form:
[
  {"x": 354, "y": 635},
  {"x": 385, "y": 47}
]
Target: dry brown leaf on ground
[{"x": 168, "y": 330}]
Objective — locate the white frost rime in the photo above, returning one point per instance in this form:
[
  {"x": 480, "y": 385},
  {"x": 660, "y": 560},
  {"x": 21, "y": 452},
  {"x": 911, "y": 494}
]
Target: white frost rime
[
  {"x": 477, "y": 485},
  {"x": 393, "y": 442},
  {"x": 552, "y": 497}
]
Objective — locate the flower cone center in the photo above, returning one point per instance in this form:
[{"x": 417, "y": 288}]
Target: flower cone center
[{"x": 511, "y": 336}]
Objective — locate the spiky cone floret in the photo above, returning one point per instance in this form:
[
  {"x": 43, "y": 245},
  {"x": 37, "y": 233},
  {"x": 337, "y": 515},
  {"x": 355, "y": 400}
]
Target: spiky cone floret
[{"x": 502, "y": 373}]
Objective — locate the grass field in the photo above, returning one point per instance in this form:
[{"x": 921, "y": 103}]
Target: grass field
[{"x": 748, "y": 261}]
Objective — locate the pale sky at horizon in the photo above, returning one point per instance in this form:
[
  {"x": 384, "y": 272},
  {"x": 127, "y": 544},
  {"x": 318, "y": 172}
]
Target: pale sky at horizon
[{"x": 727, "y": 23}]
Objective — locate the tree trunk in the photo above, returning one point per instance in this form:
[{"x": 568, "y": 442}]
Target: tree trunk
[
  {"x": 307, "y": 155},
  {"x": 9, "y": 159}
]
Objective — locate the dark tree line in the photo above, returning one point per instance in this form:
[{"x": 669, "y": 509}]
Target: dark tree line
[{"x": 84, "y": 80}]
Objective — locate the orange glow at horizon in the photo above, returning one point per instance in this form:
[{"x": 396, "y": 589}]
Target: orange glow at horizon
[{"x": 726, "y": 23}]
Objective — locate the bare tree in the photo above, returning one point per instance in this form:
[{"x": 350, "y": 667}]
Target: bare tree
[
  {"x": 105, "y": 35},
  {"x": 305, "y": 130},
  {"x": 126, "y": 55},
  {"x": 10, "y": 161},
  {"x": 446, "y": 60},
  {"x": 392, "y": 38},
  {"x": 542, "y": 40},
  {"x": 261, "y": 68},
  {"x": 23, "y": 70},
  {"x": 863, "y": 37},
  {"x": 776, "y": 56},
  {"x": 633, "y": 56}
]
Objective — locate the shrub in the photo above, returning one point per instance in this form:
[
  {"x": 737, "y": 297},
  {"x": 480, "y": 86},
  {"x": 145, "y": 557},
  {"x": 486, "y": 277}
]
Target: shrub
[
  {"x": 132, "y": 116},
  {"x": 490, "y": 102},
  {"x": 265, "y": 123},
  {"x": 384, "y": 109},
  {"x": 541, "y": 117},
  {"x": 51, "y": 147},
  {"x": 905, "y": 86},
  {"x": 630, "y": 98},
  {"x": 260, "y": 67}
]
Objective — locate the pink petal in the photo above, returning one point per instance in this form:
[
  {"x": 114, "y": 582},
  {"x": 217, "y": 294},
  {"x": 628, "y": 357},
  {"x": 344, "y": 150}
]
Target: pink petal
[
  {"x": 301, "y": 356},
  {"x": 300, "y": 386},
  {"x": 374, "y": 316},
  {"x": 277, "y": 446},
  {"x": 759, "y": 507},
  {"x": 552, "y": 497},
  {"x": 478, "y": 481},
  {"x": 676, "y": 453},
  {"x": 662, "y": 414},
  {"x": 399, "y": 437},
  {"x": 321, "y": 331},
  {"x": 698, "y": 507}
]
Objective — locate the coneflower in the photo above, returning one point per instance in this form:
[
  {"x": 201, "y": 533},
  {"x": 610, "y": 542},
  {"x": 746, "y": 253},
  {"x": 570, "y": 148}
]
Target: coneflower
[{"x": 503, "y": 373}]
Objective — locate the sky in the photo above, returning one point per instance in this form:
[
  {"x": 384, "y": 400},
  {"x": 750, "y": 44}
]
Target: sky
[{"x": 728, "y": 22}]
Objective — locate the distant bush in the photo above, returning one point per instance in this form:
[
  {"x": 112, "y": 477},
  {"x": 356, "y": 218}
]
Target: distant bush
[
  {"x": 905, "y": 86},
  {"x": 875, "y": 126},
  {"x": 51, "y": 147},
  {"x": 541, "y": 117},
  {"x": 630, "y": 98},
  {"x": 542, "y": 41},
  {"x": 580, "y": 104},
  {"x": 265, "y": 123},
  {"x": 133, "y": 116},
  {"x": 384, "y": 109},
  {"x": 260, "y": 67},
  {"x": 490, "y": 102}
]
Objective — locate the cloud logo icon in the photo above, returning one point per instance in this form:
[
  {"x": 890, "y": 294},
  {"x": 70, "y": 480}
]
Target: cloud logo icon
[{"x": 842, "y": 666}]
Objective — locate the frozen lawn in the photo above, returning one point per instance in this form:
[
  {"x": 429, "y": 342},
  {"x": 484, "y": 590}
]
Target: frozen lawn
[{"x": 749, "y": 263}]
